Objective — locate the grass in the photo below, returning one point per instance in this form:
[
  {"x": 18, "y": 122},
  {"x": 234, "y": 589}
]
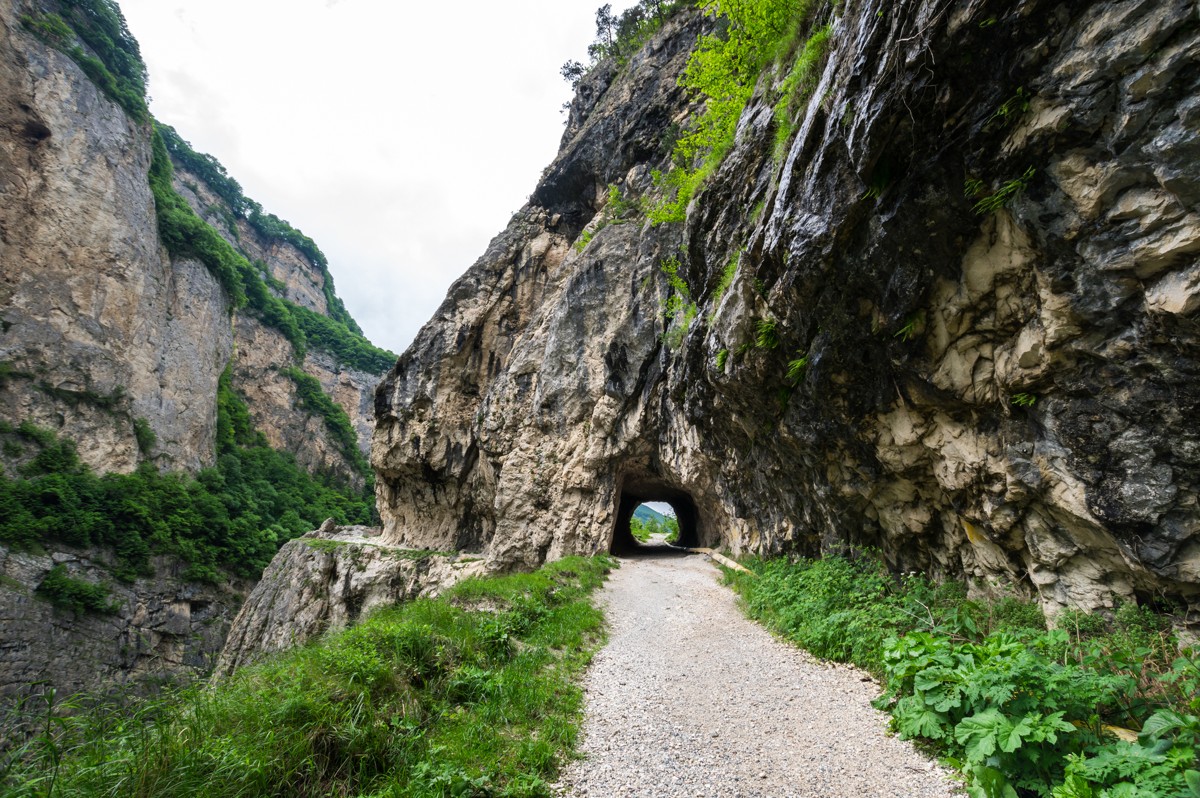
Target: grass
[
  {"x": 1004, "y": 194},
  {"x": 1020, "y": 709},
  {"x": 796, "y": 88},
  {"x": 471, "y": 694}
]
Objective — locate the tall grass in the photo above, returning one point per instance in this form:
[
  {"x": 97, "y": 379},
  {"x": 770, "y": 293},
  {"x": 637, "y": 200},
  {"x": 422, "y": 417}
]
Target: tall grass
[{"x": 471, "y": 694}]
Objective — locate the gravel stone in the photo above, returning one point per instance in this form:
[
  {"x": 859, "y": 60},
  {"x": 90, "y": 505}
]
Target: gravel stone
[{"x": 690, "y": 698}]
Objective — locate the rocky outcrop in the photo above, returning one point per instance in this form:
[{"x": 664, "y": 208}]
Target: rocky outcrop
[
  {"x": 328, "y": 579},
  {"x": 1000, "y": 390},
  {"x": 160, "y": 629},
  {"x": 98, "y": 327}
]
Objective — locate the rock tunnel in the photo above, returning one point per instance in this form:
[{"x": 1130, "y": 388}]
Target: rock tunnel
[{"x": 639, "y": 490}]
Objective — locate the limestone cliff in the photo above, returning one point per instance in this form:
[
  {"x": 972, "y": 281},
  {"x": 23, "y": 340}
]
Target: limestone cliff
[
  {"x": 262, "y": 349},
  {"x": 105, "y": 336},
  {"x": 959, "y": 324},
  {"x": 99, "y": 326}
]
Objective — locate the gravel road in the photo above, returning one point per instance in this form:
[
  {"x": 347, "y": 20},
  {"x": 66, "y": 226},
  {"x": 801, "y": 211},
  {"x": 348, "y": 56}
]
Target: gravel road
[{"x": 689, "y": 698}]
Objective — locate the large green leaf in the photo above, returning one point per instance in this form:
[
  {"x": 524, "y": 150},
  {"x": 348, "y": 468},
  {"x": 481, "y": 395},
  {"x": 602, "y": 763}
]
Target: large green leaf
[
  {"x": 981, "y": 732},
  {"x": 988, "y": 782}
]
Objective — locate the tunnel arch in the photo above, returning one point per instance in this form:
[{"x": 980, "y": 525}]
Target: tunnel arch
[{"x": 636, "y": 490}]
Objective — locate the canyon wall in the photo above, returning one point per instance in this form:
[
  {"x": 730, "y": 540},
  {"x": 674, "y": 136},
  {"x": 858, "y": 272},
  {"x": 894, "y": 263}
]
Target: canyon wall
[
  {"x": 949, "y": 312},
  {"x": 102, "y": 331}
]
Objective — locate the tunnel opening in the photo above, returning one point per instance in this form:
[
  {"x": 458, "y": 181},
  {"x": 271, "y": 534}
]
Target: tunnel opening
[{"x": 639, "y": 492}]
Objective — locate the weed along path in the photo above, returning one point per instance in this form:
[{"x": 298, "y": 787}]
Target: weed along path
[{"x": 690, "y": 698}]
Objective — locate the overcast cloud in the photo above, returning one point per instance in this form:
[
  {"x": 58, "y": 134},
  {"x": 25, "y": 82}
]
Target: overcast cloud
[{"x": 399, "y": 136}]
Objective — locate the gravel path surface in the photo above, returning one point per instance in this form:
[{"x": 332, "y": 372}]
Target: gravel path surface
[{"x": 690, "y": 698}]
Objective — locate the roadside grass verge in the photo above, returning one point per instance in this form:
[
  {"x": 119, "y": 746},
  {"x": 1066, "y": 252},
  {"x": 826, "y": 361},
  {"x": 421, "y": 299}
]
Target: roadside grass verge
[
  {"x": 1099, "y": 707},
  {"x": 471, "y": 694}
]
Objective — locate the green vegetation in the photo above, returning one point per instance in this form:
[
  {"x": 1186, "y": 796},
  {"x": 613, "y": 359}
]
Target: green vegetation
[
  {"x": 618, "y": 208},
  {"x": 427, "y": 699},
  {"x": 727, "y": 275},
  {"x": 314, "y": 399},
  {"x": 616, "y": 211},
  {"x": 621, "y": 36},
  {"x": 232, "y": 517},
  {"x": 8, "y": 371},
  {"x": 643, "y": 528},
  {"x": 585, "y": 238},
  {"x": 1023, "y": 399},
  {"x": 913, "y": 325},
  {"x": 1012, "y": 108},
  {"x": 210, "y": 170},
  {"x": 146, "y": 439},
  {"x": 797, "y": 367},
  {"x": 76, "y": 595},
  {"x": 797, "y": 86},
  {"x": 723, "y": 70},
  {"x": 1003, "y": 195},
  {"x": 116, "y": 66},
  {"x": 88, "y": 396},
  {"x": 722, "y": 359},
  {"x": 766, "y": 333},
  {"x": 348, "y": 347},
  {"x": 187, "y": 235},
  {"x": 1020, "y": 709},
  {"x": 679, "y": 310}
]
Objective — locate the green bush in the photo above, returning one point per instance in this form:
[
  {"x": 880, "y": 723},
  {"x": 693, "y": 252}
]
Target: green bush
[
  {"x": 186, "y": 235},
  {"x": 76, "y": 595},
  {"x": 349, "y": 348},
  {"x": 797, "y": 86},
  {"x": 146, "y": 438},
  {"x": 210, "y": 170},
  {"x": 723, "y": 70},
  {"x": 115, "y": 63},
  {"x": 428, "y": 698},
  {"x": 230, "y": 518}
]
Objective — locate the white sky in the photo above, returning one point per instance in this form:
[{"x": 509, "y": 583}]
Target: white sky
[
  {"x": 661, "y": 507},
  {"x": 399, "y": 136}
]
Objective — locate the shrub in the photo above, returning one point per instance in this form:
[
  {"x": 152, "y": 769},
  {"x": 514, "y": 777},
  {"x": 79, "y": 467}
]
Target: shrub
[
  {"x": 337, "y": 423},
  {"x": 115, "y": 63},
  {"x": 186, "y": 235},
  {"x": 233, "y": 517},
  {"x": 350, "y": 348},
  {"x": 76, "y": 595},
  {"x": 723, "y": 70},
  {"x": 146, "y": 439},
  {"x": 797, "y": 86}
]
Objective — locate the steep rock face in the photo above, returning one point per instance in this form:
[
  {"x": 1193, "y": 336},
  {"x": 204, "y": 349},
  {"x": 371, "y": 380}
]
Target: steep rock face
[
  {"x": 325, "y": 581},
  {"x": 99, "y": 327},
  {"x": 161, "y": 626},
  {"x": 1005, "y": 392},
  {"x": 261, "y": 350}
]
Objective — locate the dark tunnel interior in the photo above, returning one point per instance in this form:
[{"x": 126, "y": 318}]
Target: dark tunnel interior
[{"x": 641, "y": 491}]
